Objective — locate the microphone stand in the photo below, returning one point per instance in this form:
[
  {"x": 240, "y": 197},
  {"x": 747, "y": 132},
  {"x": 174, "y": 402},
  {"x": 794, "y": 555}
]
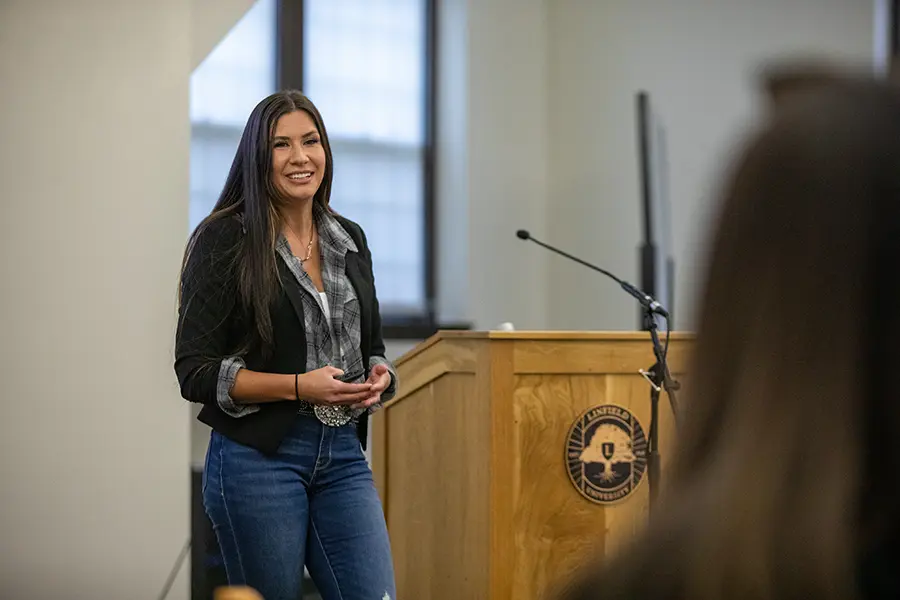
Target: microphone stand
[{"x": 657, "y": 376}]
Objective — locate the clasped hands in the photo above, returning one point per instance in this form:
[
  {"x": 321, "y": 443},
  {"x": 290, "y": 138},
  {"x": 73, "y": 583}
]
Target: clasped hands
[{"x": 322, "y": 386}]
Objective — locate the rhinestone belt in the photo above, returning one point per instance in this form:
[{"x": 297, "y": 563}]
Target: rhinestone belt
[{"x": 327, "y": 414}]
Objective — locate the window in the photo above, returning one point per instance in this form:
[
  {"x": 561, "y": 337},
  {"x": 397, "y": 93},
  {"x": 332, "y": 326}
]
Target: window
[
  {"x": 235, "y": 76},
  {"x": 364, "y": 67},
  {"x": 368, "y": 66},
  {"x": 365, "y": 63}
]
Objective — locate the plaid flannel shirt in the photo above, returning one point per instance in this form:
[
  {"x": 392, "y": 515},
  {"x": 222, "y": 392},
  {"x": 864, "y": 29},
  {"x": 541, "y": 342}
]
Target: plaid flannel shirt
[{"x": 345, "y": 324}]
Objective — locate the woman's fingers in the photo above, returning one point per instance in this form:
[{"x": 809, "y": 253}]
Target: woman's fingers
[
  {"x": 342, "y": 388},
  {"x": 351, "y": 394},
  {"x": 372, "y": 400}
]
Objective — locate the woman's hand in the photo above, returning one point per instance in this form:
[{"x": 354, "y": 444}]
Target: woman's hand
[
  {"x": 379, "y": 379},
  {"x": 322, "y": 387}
]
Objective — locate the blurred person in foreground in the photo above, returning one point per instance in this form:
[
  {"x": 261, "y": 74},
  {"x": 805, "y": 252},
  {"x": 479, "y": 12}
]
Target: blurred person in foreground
[{"x": 784, "y": 482}]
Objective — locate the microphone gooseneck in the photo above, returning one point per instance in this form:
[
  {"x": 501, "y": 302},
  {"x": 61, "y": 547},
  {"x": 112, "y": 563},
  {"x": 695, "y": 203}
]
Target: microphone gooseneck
[{"x": 646, "y": 300}]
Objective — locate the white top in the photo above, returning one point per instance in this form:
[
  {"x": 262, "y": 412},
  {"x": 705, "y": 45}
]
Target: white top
[{"x": 325, "y": 307}]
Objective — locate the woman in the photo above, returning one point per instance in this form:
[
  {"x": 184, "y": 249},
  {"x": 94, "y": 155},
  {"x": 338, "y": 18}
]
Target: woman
[
  {"x": 279, "y": 337},
  {"x": 785, "y": 479}
]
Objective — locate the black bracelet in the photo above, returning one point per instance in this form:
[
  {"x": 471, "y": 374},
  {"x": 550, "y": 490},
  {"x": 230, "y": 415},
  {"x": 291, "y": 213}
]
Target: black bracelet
[{"x": 296, "y": 387}]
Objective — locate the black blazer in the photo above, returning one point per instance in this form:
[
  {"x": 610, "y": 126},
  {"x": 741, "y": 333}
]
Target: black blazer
[{"x": 213, "y": 325}]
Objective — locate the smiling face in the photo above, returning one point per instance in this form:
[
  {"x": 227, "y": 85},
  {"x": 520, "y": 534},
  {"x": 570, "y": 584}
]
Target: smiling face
[{"x": 298, "y": 157}]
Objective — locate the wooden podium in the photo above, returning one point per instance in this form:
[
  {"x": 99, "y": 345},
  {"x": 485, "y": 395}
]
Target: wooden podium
[{"x": 470, "y": 458}]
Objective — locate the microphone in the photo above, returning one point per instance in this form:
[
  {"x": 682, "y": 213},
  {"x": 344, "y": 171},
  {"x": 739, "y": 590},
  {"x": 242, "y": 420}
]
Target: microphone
[{"x": 646, "y": 301}]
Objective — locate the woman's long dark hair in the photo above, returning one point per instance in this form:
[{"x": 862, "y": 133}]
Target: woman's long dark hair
[
  {"x": 250, "y": 194},
  {"x": 785, "y": 478}
]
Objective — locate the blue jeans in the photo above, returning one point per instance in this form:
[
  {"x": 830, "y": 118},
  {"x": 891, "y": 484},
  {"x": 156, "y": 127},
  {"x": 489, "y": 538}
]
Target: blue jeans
[{"x": 312, "y": 503}]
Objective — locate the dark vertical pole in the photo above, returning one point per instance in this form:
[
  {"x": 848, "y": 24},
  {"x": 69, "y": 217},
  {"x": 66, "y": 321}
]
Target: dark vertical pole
[
  {"x": 893, "y": 18},
  {"x": 429, "y": 159},
  {"x": 289, "y": 45},
  {"x": 653, "y": 458},
  {"x": 894, "y": 40},
  {"x": 648, "y": 249}
]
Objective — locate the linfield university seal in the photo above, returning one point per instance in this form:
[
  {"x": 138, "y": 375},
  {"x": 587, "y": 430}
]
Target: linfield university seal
[{"x": 606, "y": 454}]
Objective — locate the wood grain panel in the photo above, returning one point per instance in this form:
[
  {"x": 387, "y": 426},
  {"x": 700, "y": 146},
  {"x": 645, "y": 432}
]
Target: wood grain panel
[
  {"x": 438, "y": 480},
  {"x": 406, "y": 477},
  {"x": 555, "y": 527},
  {"x": 551, "y": 518},
  {"x": 503, "y": 460},
  {"x": 420, "y": 369},
  {"x": 628, "y": 517},
  {"x": 586, "y": 356}
]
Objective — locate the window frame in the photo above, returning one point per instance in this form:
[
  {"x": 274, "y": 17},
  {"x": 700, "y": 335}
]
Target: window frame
[
  {"x": 894, "y": 36},
  {"x": 289, "y": 74}
]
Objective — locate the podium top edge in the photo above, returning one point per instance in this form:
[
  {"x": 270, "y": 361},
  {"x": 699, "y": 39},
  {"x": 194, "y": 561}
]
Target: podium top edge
[{"x": 541, "y": 335}]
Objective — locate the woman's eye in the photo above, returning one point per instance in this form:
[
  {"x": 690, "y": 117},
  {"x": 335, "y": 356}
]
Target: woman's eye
[{"x": 312, "y": 141}]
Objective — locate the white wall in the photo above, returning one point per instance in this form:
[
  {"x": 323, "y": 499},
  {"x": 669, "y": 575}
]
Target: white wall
[
  {"x": 451, "y": 161},
  {"x": 698, "y": 61},
  {"x": 94, "y": 500},
  {"x": 536, "y": 130},
  {"x": 493, "y": 161}
]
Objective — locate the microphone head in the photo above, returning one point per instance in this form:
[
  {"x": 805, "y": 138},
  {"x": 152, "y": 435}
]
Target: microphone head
[{"x": 523, "y": 234}]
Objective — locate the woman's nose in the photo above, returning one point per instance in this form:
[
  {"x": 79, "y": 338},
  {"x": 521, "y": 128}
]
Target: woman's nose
[{"x": 298, "y": 155}]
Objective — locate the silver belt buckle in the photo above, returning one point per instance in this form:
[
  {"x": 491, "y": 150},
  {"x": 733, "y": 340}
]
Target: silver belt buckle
[{"x": 333, "y": 416}]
